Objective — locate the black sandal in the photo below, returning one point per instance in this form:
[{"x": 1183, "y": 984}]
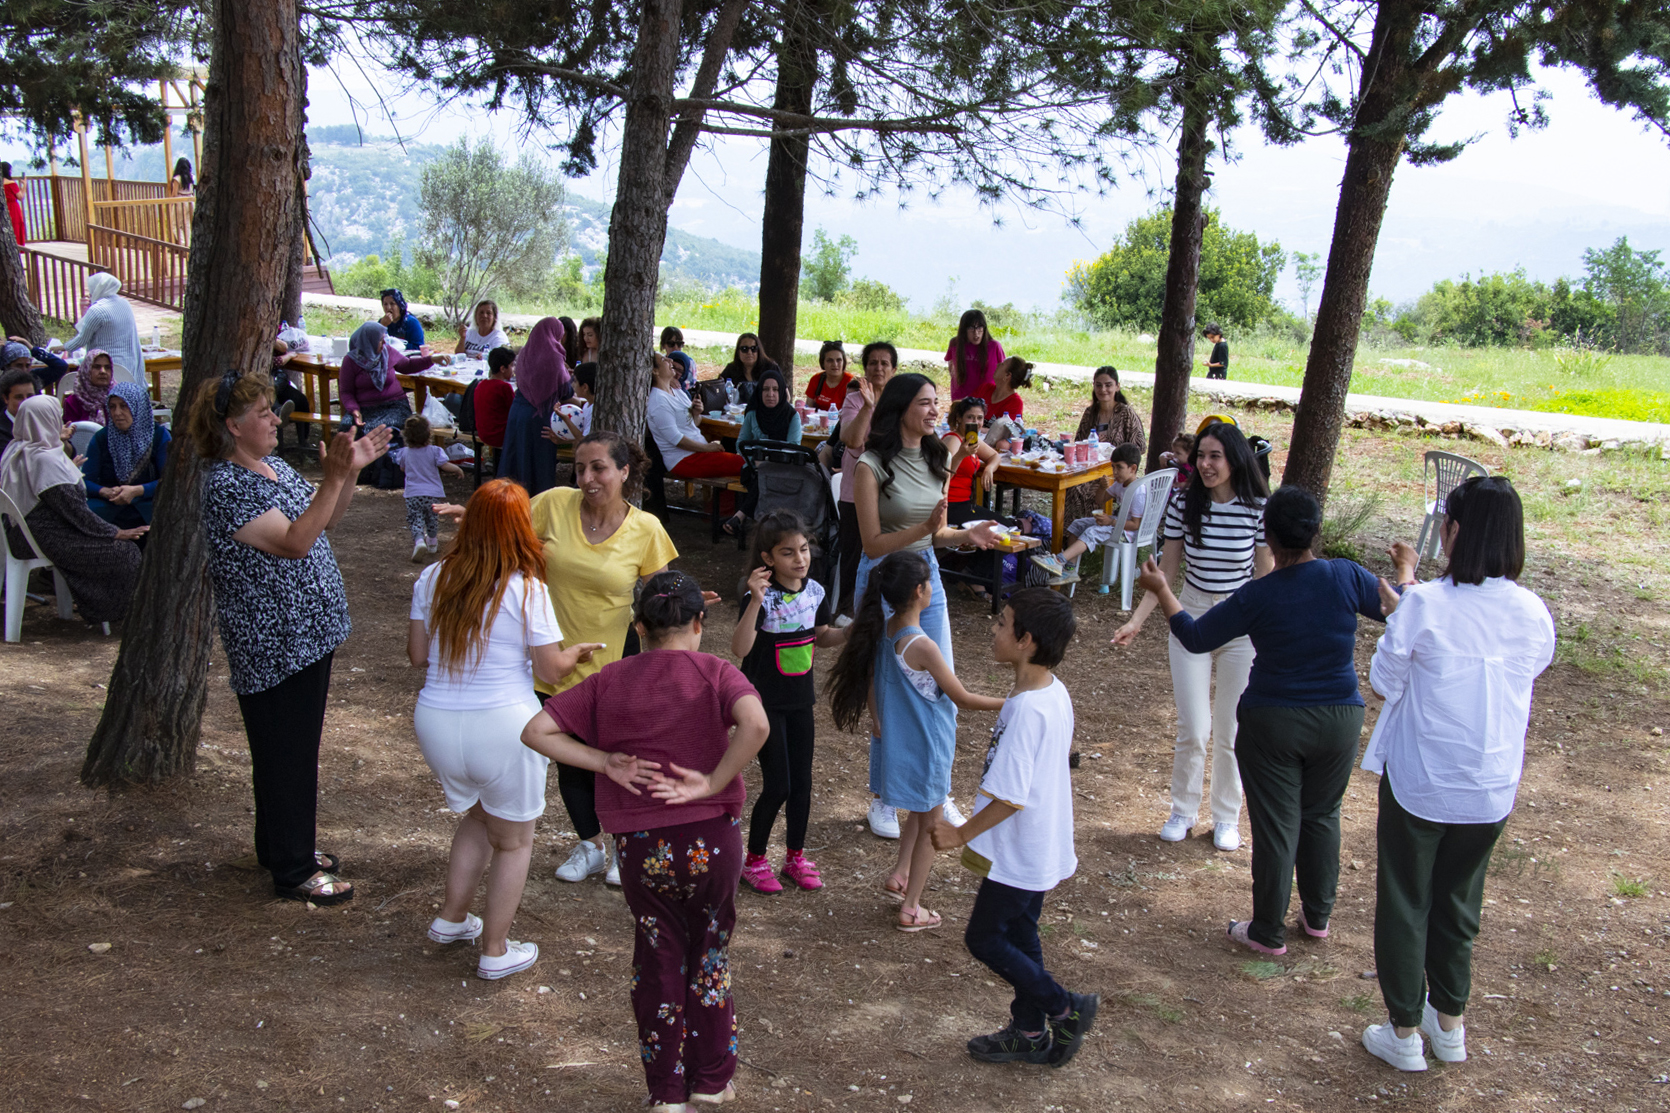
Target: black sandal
[
  {"x": 321, "y": 889},
  {"x": 327, "y": 861}
]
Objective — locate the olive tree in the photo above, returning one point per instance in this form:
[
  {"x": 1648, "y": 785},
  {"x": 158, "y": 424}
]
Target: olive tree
[{"x": 488, "y": 224}]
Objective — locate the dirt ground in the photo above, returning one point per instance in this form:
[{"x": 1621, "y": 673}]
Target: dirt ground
[{"x": 204, "y": 987}]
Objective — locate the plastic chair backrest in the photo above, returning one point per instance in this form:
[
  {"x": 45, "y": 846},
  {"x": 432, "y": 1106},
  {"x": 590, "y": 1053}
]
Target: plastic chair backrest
[
  {"x": 8, "y": 509},
  {"x": 1156, "y": 486},
  {"x": 1449, "y": 471},
  {"x": 82, "y": 434}
]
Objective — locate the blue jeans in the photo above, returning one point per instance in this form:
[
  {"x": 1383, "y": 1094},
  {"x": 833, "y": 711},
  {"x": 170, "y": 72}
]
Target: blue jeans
[
  {"x": 1003, "y": 933},
  {"x": 936, "y": 619}
]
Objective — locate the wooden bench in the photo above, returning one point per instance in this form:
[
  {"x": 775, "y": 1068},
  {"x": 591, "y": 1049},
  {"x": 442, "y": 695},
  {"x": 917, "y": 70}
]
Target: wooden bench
[{"x": 715, "y": 485}]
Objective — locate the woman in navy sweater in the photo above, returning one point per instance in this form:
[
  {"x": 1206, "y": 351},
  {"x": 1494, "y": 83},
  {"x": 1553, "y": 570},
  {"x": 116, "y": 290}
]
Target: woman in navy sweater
[{"x": 1301, "y": 713}]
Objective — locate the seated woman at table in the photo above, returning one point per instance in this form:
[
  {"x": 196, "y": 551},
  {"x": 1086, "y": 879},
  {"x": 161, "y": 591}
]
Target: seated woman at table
[
  {"x": 828, "y": 388},
  {"x": 100, "y": 561},
  {"x": 543, "y": 380},
  {"x": 1002, "y": 396},
  {"x": 126, "y": 459},
  {"x": 485, "y": 334},
  {"x": 968, "y": 415},
  {"x": 92, "y": 389},
  {"x": 46, "y": 369},
  {"x": 109, "y": 326},
  {"x": 770, "y": 415},
  {"x": 368, "y": 385},
  {"x": 400, "y": 324},
  {"x": 748, "y": 363},
  {"x": 685, "y": 452},
  {"x": 288, "y": 396}
]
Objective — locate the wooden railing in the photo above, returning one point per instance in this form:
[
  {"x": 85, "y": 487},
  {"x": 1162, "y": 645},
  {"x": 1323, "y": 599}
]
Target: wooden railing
[
  {"x": 57, "y": 286},
  {"x": 167, "y": 218},
  {"x": 53, "y": 208},
  {"x": 152, "y": 270}
]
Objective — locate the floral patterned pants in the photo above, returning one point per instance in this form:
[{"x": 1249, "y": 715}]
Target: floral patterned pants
[{"x": 680, "y": 883}]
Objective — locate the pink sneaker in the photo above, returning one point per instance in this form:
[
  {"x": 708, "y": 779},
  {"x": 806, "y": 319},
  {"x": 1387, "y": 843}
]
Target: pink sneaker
[
  {"x": 756, "y": 872},
  {"x": 1314, "y": 933},
  {"x": 802, "y": 871},
  {"x": 1238, "y": 933}
]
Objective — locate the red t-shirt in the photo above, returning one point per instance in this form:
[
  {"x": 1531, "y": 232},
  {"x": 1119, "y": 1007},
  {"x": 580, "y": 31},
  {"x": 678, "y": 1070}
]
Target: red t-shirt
[
  {"x": 492, "y": 409},
  {"x": 1010, "y": 407},
  {"x": 663, "y": 705},
  {"x": 826, "y": 394},
  {"x": 962, "y": 480}
]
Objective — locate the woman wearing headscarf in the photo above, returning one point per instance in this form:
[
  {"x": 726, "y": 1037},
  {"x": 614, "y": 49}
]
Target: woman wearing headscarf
[
  {"x": 100, "y": 561},
  {"x": 125, "y": 459},
  {"x": 92, "y": 388},
  {"x": 770, "y": 416},
  {"x": 542, "y": 380},
  {"x": 369, "y": 385},
  {"x": 108, "y": 325},
  {"x": 400, "y": 324}
]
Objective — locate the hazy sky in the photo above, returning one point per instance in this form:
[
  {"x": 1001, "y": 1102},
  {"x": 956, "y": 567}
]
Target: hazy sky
[{"x": 1536, "y": 201}]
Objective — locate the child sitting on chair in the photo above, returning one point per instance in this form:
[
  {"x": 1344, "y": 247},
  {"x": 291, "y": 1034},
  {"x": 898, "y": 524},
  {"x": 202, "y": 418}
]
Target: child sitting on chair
[{"x": 1097, "y": 530}]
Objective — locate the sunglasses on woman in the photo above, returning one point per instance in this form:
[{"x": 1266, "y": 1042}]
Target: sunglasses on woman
[{"x": 748, "y": 348}]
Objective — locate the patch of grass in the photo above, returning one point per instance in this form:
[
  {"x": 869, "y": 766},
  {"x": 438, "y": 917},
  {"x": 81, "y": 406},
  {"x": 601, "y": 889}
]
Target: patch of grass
[
  {"x": 1513, "y": 859},
  {"x": 1546, "y": 958},
  {"x": 1314, "y": 970},
  {"x": 1628, "y": 887},
  {"x": 1344, "y": 519},
  {"x": 1358, "y": 1002},
  {"x": 1613, "y": 657},
  {"x": 1259, "y": 969},
  {"x": 1151, "y": 1003}
]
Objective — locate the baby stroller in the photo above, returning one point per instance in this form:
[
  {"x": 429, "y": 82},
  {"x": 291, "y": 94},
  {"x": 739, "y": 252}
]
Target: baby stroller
[{"x": 785, "y": 476}]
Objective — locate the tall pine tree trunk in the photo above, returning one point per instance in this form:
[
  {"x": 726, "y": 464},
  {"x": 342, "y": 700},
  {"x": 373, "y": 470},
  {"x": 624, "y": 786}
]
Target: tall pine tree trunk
[
  {"x": 783, "y": 219},
  {"x": 18, "y": 314},
  {"x": 638, "y": 226},
  {"x": 245, "y": 205},
  {"x": 1174, "y": 360},
  {"x": 1375, "y": 145}
]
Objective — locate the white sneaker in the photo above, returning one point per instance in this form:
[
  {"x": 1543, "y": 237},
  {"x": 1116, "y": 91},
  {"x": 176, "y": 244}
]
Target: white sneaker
[
  {"x": 1176, "y": 828},
  {"x": 953, "y": 814},
  {"x": 842, "y": 621},
  {"x": 1049, "y": 563},
  {"x": 1405, "y": 1054},
  {"x": 433, "y": 545},
  {"x": 611, "y": 876},
  {"x": 1226, "y": 836},
  {"x": 418, "y": 551},
  {"x": 445, "y": 931},
  {"x": 1447, "y": 1047},
  {"x": 884, "y": 821},
  {"x": 587, "y": 859},
  {"x": 516, "y": 958}
]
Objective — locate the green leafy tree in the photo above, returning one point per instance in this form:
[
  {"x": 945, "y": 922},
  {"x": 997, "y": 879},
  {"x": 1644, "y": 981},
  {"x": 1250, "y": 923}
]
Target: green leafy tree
[
  {"x": 1502, "y": 310},
  {"x": 825, "y": 272},
  {"x": 1307, "y": 268},
  {"x": 488, "y": 225},
  {"x": 1126, "y": 286},
  {"x": 1632, "y": 284},
  {"x": 1579, "y": 316},
  {"x": 868, "y": 295}
]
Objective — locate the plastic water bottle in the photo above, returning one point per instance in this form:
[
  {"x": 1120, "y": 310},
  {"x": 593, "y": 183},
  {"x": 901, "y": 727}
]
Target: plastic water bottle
[
  {"x": 730, "y": 392},
  {"x": 1092, "y": 440},
  {"x": 156, "y": 336}
]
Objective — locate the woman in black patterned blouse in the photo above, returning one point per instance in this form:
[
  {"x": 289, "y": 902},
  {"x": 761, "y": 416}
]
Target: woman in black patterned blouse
[{"x": 282, "y": 610}]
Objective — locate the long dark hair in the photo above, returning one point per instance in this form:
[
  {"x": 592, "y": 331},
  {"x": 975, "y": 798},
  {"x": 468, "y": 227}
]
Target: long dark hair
[
  {"x": 1119, "y": 398},
  {"x": 959, "y": 345},
  {"x": 5, "y": 170},
  {"x": 1490, "y": 537},
  {"x": 1244, "y": 476},
  {"x": 570, "y": 338},
  {"x": 182, "y": 171},
  {"x": 960, "y": 408},
  {"x": 894, "y": 580},
  {"x": 884, "y": 439},
  {"x": 773, "y": 529}
]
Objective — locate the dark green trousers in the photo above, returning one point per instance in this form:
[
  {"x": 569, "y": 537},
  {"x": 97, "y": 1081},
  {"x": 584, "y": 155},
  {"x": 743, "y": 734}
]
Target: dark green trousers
[
  {"x": 1426, "y": 914},
  {"x": 1295, "y": 763}
]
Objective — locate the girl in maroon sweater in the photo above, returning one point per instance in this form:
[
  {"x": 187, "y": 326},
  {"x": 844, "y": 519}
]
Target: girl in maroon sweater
[{"x": 673, "y": 802}]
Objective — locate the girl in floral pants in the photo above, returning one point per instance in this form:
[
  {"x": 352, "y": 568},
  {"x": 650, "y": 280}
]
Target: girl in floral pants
[{"x": 673, "y": 800}]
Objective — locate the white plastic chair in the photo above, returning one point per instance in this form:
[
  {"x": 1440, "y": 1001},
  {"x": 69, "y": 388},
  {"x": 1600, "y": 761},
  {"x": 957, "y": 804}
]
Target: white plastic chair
[
  {"x": 1449, "y": 472},
  {"x": 1119, "y": 556},
  {"x": 81, "y": 435},
  {"x": 17, "y": 574}
]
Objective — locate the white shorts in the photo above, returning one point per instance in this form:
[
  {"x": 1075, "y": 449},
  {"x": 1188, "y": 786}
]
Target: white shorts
[
  {"x": 1093, "y": 535},
  {"x": 479, "y": 756}
]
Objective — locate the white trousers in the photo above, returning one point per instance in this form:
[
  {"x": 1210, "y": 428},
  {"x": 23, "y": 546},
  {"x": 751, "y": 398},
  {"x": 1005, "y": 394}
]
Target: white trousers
[{"x": 1204, "y": 713}]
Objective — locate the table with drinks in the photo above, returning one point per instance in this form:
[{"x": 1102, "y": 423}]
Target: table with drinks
[
  {"x": 1055, "y": 472},
  {"x": 814, "y": 424}
]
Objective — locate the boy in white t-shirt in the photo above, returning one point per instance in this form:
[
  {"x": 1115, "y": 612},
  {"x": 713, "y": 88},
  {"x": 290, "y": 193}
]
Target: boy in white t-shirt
[{"x": 1020, "y": 839}]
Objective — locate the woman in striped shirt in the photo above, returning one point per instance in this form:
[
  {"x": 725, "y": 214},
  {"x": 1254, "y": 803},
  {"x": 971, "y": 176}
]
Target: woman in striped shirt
[{"x": 1217, "y": 523}]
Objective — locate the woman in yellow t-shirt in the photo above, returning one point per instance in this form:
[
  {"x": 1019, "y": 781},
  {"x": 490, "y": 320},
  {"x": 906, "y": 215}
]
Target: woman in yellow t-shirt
[{"x": 598, "y": 547}]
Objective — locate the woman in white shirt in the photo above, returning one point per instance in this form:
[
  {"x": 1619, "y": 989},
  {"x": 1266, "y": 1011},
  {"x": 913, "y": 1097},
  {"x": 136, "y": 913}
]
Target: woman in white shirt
[
  {"x": 1456, "y": 667},
  {"x": 685, "y": 452},
  {"x": 485, "y": 334},
  {"x": 482, "y": 625}
]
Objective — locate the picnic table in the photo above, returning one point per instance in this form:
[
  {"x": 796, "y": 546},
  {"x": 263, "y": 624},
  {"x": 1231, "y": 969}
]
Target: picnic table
[
  {"x": 1018, "y": 477},
  {"x": 318, "y": 372},
  {"x": 992, "y": 580},
  {"x": 719, "y": 428}
]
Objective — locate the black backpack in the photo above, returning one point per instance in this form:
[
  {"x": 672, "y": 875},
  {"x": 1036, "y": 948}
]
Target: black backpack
[{"x": 466, "y": 409}]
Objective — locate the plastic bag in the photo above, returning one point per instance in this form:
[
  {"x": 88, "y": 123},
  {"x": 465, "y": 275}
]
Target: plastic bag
[{"x": 438, "y": 416}]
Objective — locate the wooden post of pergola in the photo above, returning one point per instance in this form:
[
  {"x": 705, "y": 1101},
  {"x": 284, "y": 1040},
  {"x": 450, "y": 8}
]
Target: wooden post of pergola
[
  {"x": 167, "y": 133},
  {"x": 86, "y": 180}
]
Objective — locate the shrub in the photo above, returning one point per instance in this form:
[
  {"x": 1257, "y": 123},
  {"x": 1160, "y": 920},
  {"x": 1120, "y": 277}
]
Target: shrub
[
  {"x": 868, "y": 295},
  {"x": 368, "y": 275},
  {"x": 1345, "y": 516}
]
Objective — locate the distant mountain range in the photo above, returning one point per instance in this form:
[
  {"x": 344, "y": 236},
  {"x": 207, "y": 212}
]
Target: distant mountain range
[{"x": 364, "y": 195}]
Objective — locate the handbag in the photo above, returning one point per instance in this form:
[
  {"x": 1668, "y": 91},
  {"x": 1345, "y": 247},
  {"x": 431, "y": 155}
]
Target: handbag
[{"x": 711, "y": 394}]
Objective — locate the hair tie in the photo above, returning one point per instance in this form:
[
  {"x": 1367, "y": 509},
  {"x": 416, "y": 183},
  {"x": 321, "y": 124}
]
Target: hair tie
[{"x": 223, "y": 396}]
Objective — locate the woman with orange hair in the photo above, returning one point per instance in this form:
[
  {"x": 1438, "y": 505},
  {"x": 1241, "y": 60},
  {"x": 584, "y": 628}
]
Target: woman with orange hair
[{"x": 483, "y": 626}]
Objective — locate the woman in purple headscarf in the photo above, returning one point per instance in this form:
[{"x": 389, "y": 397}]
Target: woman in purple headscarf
[{"x": 542, "y": 381}]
